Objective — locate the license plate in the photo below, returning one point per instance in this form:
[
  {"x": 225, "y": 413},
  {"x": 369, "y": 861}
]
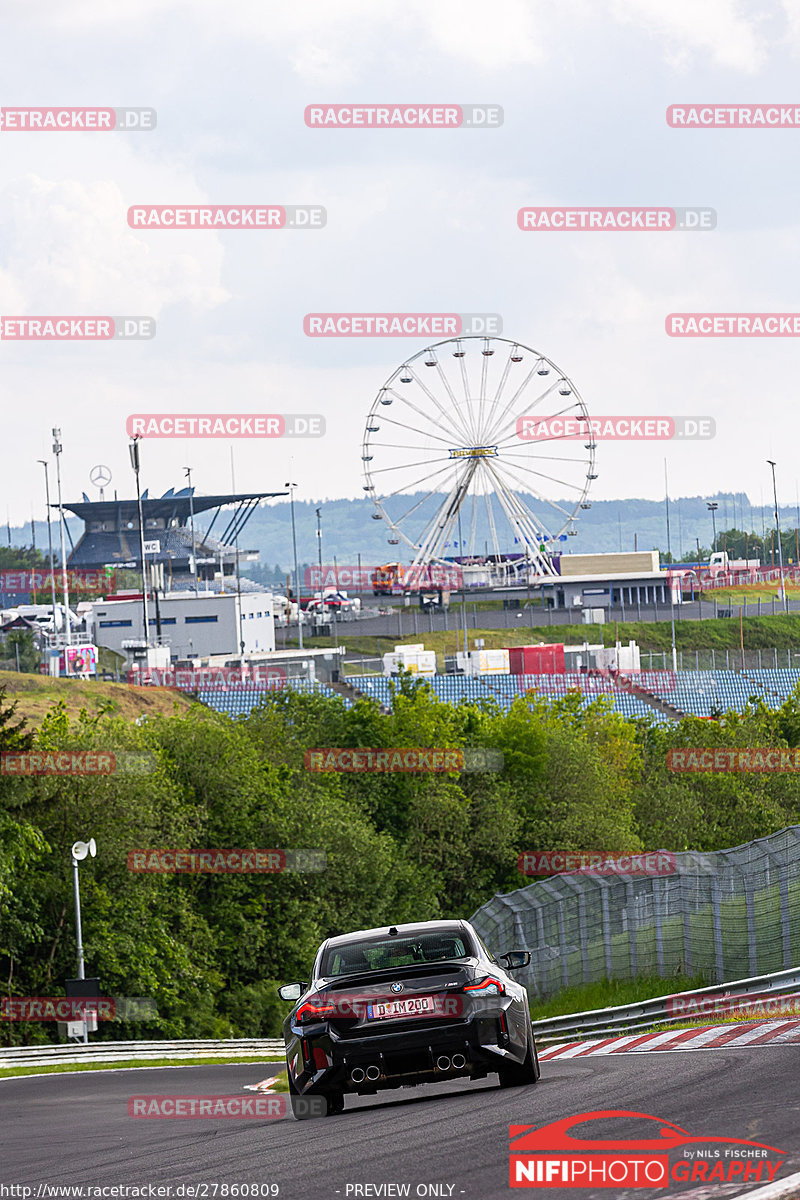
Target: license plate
[{"x": 410, "y": 1006}]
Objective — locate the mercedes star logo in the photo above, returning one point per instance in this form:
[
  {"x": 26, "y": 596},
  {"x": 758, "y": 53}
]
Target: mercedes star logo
[{"x": 100, "y": 475}]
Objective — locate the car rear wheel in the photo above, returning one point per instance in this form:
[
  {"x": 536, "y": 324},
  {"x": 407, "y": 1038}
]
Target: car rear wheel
[
  {"x": 526, "y": 1072},
  {"x": 317, "y": 1104}
]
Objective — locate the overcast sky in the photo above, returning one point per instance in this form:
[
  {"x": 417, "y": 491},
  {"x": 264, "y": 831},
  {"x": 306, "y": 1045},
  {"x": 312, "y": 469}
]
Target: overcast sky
[{"x": 418, "y": 221}]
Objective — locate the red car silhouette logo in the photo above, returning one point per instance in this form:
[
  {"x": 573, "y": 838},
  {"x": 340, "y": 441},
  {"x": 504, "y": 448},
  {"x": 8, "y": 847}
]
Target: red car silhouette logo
[{"x": 668, "y": 1137}]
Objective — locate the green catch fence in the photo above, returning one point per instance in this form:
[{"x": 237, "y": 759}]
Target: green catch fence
[{"x": 727, "y": 915}]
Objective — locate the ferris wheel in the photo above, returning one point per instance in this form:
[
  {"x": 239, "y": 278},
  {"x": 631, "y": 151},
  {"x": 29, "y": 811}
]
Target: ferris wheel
[{"x": 481, "y": 428}]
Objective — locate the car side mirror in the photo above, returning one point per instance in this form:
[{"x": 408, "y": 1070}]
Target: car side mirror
[
  {"x": 291, "y": 991},
  {"x": 515, "y": 960}
]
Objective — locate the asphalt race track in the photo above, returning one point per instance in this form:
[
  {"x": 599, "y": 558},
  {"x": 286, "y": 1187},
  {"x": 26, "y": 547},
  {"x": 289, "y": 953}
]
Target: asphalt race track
[{"x": 74, "y": 1129}]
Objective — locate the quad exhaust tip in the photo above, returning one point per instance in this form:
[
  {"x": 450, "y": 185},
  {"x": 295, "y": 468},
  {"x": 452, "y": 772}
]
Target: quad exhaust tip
[
  {"x": 373, "y": 1073},
  {"x": 357, "y": 1075},
  {"x": 443, "y": 1063},
  {"x": 458, "y": 1061}
]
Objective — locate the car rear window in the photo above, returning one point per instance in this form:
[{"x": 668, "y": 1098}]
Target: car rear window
[{"x": 386, "y": 953}]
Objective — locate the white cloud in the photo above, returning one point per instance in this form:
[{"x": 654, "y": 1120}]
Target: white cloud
[
  {"x": 717, "y": 28},
  {"x": 67, "y": 249}
]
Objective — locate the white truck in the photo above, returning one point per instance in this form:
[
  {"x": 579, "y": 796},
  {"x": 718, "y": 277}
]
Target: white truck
[{"x": 720, "y": 563}]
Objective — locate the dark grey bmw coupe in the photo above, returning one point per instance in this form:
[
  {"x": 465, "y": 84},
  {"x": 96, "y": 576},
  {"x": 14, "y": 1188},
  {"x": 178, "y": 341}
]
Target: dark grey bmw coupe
[{"x": 402, "y": 1006}]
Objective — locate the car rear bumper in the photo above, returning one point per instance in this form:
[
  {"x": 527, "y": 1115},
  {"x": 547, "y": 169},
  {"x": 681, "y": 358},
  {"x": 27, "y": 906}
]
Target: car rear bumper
[{"x": 322, "y": 1060}]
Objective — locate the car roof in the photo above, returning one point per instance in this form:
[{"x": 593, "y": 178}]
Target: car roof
[{"x": 414, "y": 927}]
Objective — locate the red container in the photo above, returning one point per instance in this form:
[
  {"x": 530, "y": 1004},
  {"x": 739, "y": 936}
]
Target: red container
[{"x": 537, "y": 660}]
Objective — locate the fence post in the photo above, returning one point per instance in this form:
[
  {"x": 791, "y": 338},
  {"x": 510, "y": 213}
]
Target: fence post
[
  {"x": 562, "y": 942},
  {"x": 752, "y": 947},
  {"x": 659, "y": 929},
  {"x": 606, "y": 926},
  {"x": 583, "y": 930},
  {"x": 716, "y": 920},
  {"x": 688, "y": 966},
  {"x": 786, "y": 928},
  {"x": 632, "y": 928},
  {"x": 540, "y": 928}
]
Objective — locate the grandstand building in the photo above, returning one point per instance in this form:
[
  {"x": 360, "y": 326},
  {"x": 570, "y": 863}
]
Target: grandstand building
[{"x": 111, "y": 536}]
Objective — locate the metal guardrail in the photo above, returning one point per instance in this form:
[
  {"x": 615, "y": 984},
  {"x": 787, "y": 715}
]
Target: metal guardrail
[
  {"x": 600, "y": 1022},
  {"x": 210, "y": 1048},
  {"x": 608, "y": 1022}
]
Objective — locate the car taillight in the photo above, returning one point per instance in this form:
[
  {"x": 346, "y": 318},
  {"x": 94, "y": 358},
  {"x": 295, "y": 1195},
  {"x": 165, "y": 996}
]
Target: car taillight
[
  {"x": 487, "y": 987},
  {"x": 315, "y": 1009}
]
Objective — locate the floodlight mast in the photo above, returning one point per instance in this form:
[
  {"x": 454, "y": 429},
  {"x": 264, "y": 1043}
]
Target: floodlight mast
[
  {"x": 79, "y": 852},
  {"x": 57, "y": 448},
  {"x": 133, "y": 450},
  {"x": 43, "y": 461}
]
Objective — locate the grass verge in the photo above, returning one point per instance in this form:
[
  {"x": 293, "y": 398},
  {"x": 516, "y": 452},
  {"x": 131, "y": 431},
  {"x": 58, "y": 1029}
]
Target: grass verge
[
  {"x": 610, "y": 993},
  {"x": 134, "y": 1063}
]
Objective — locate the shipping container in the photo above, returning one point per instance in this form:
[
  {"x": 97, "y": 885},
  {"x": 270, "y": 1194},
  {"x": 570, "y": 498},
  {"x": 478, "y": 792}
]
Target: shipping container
[{"x": 544, "y": 659}]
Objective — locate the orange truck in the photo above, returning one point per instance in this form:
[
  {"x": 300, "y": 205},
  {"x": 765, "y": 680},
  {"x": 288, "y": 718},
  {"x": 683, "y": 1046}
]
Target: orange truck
[{"x": 389, "y": 580}]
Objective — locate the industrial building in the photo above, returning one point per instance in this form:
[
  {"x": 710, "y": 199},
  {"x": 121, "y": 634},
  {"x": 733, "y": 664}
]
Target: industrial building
[
  {"x": 605, "y": 580},
  {"x": 192, "y": 626}
]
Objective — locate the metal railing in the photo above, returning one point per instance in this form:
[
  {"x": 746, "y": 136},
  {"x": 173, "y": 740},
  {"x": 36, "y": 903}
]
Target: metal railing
[
  {"x": 601, "y": 1022},
  {"x": 609, "y": 1022},
  {"x": 210, "y": 1048}
]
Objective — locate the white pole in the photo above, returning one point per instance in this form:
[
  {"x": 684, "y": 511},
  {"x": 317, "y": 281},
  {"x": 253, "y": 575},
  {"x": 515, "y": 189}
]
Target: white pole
[{"x": 64, "y": 580}]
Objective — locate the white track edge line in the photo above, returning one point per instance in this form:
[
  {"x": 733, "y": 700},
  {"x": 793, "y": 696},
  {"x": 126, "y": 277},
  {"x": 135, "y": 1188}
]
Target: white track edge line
[{"x": 781, "y": 1189}]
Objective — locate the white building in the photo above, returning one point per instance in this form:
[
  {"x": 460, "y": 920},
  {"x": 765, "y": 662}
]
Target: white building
[{"x": 192, "y": 626}]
